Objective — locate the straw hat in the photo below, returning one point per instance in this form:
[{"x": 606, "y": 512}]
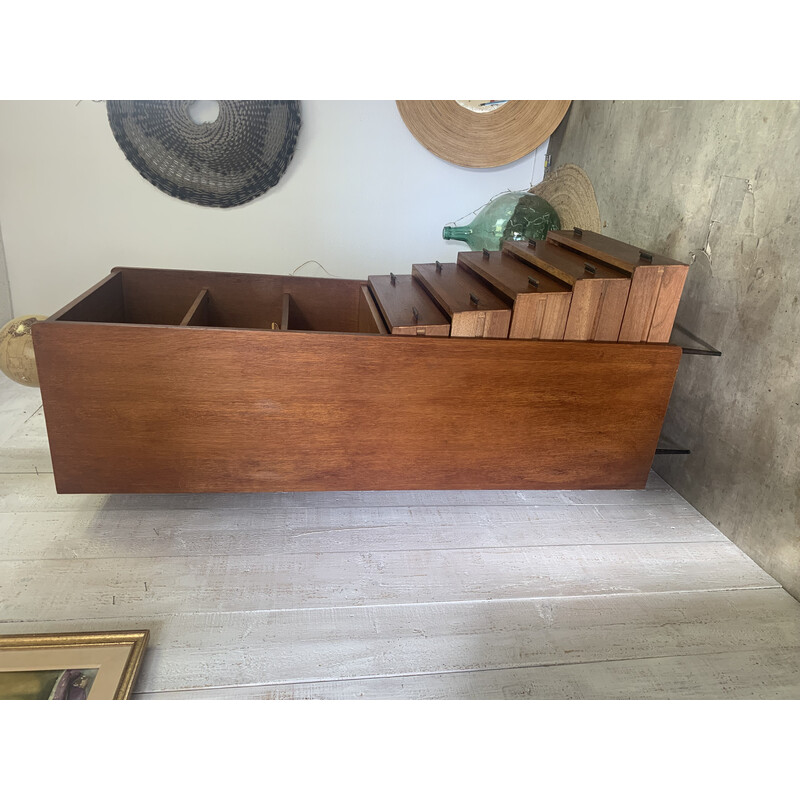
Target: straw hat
[
  {"x": 452, "y": 130},
  {"x": 224, "y": 162},
  {"x": 569, "y": 190}
]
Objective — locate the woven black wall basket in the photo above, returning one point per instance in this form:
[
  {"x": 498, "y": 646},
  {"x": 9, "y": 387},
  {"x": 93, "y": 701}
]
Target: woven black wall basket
[{"x": 227, "y": 162}]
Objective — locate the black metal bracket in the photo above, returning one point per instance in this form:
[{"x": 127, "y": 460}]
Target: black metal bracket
[
  {"x": 666, "y": 447},
  {"x": 688, "y": 342}
]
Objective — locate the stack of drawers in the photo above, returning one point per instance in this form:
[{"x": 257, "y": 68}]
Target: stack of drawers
[{"x": 575, "y": 286}]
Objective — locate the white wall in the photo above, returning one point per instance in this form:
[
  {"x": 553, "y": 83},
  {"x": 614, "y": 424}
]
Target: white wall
[
  {"x": 5, "y": 292},
  {"x": 361, "y": 196}
]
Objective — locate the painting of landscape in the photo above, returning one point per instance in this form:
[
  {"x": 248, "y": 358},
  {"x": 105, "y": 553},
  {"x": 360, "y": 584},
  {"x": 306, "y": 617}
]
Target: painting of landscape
[{"x": 50, "y": 684}]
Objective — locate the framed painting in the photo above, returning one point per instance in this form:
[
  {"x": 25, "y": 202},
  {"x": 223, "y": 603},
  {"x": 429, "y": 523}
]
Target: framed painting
[{"x": 70, "y": 666}]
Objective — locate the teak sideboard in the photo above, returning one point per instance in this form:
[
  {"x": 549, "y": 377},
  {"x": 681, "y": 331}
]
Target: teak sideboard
[{"x": 192, "y": 381}]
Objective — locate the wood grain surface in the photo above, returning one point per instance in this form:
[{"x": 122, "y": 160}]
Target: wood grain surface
[
  {"x": 620, "y": 254},
  {"x": 772, "y": 672},
  {"x": 599, "y": 293},
  {"x": 474, "y": 310},
  {"x": 673, "y": 279},
  {"x": 348, "y": 642},
  {"x": 250, "y": 582},
  {"x": 205, "y": 532},
  {"x": 540, "y": 303},
  {"x": 399, "y": 299},
  {"x": 189, "y": 409},
  {"x": 597, "y": 310},
  {"x": 656, "y": 283},
  {"x": 561, "y": 262},
  {"x": 103, "y": 302}
]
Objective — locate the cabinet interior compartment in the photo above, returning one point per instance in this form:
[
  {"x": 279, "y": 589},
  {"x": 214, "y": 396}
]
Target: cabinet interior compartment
[{"x": 190, "y": 298}]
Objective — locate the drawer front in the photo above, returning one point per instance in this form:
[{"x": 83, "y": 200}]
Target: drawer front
[
  {"x": 561, "y": 263},
  {"x": 599, "y": 292},
  {"x": 653, "y": 303},
  {"x": 406, "y": 307},
  {"x": 540, "y": 303},
  {"x": 656, "y": 282},
  {"x": 509, "y": 277},
  {"x": 540, "y": 316},
  {"x": 621, "y": 255},
  {"x": 474, "y": 309}
]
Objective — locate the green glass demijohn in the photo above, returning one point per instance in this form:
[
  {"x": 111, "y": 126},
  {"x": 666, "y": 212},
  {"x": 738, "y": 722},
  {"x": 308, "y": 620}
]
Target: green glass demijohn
[{"x": 515, "y": 216}]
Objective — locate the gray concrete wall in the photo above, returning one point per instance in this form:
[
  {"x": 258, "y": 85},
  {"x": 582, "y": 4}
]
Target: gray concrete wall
[{"x": 718, "y": 184}]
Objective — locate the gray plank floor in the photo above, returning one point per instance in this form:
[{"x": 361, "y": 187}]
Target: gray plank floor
[{"x": 393, "y": 595}]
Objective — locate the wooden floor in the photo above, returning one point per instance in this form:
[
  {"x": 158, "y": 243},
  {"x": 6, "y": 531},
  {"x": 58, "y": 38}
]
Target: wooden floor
[{"x": 595, "y": 594}]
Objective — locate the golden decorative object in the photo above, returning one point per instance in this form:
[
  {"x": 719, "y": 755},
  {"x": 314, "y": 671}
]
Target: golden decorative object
[
  {"x": 98, "y": 665},
  {"x": 17, "y": 359},
  {"x": 453, "y": 131}
]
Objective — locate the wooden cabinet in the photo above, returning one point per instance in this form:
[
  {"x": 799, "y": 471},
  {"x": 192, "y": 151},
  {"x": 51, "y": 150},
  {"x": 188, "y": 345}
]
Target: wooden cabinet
[{"x": 192, "y": 381}]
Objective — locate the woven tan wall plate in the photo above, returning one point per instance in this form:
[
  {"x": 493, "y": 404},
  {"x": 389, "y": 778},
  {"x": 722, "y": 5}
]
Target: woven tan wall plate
[
  {"x": 225, "y": 162},
  {"x": 469, "y": 139},
  {"x": 570, "y": 192}
]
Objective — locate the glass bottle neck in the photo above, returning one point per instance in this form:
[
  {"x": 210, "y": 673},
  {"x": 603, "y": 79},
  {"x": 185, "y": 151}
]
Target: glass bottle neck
[{"x": 455, "y": 232}]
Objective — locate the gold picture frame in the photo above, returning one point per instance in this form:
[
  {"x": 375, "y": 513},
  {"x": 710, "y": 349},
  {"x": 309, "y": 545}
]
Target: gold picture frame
[{"x": 70, "y": 666}]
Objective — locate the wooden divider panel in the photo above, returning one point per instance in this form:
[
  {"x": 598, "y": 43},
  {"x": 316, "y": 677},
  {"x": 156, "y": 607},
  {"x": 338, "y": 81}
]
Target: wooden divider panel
[
  {"x": 369, "y": 317},
  {"x": 198, "y": 311}
]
